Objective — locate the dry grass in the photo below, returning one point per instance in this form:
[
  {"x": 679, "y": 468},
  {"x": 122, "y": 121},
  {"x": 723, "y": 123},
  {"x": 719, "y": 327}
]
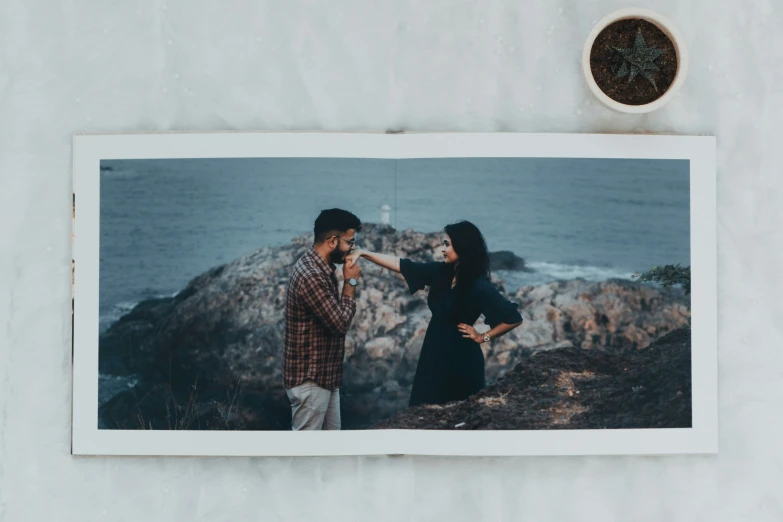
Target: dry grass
[
  {"x": 567, "y": 384},
  {"x": 499, "y": 400},
  {"x": 566, "y": 381},
  {"x": 440, "y": 406},
  {"x": 186, "y": 416},
  {"x": 562, "y": 413}
]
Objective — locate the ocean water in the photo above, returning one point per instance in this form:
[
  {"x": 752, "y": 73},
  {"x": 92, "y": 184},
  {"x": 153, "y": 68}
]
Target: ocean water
[{"x": 164, "y": 222}]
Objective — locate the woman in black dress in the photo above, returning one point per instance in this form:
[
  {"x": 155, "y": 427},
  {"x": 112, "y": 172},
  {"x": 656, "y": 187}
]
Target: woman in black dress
[{"x": 451, "y": 364}]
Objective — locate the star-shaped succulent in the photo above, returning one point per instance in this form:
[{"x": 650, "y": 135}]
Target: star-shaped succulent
[{"x": 638, "y": 60}]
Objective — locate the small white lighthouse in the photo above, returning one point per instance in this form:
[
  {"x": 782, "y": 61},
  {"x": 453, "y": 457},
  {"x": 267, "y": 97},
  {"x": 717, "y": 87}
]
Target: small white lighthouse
[{"x": 385, "y": 214}]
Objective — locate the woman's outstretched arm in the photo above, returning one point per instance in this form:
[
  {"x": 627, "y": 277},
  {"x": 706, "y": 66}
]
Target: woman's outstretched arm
[{"x": 385, "y": 260}]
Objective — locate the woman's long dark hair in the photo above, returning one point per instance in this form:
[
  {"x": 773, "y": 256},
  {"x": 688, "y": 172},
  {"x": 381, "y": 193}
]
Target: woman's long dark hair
[{"x": 470, "y": 246}]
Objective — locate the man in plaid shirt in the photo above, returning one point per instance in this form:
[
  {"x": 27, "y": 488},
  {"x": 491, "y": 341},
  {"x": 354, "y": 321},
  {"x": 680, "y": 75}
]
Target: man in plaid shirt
[{"x": 316, "y": 321}]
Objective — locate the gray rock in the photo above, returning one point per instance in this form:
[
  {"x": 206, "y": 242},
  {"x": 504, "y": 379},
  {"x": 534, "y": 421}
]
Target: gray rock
[{"x": 505, "y": 260}]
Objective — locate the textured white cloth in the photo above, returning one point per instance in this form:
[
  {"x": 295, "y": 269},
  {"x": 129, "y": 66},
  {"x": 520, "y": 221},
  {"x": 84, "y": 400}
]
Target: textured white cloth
[{"x": 475, "y": 65}]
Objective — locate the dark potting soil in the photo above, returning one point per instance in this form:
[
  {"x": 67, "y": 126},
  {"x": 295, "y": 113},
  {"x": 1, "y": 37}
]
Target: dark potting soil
[{"x": 605, "y": 62}]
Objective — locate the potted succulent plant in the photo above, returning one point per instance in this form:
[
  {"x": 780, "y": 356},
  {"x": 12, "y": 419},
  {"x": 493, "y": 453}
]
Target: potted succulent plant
[{"x": 635, "y": 60}]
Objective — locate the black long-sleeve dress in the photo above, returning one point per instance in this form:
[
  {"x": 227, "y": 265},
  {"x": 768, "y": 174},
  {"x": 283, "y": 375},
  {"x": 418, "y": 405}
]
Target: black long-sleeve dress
[{"x": 450, "y": 366}]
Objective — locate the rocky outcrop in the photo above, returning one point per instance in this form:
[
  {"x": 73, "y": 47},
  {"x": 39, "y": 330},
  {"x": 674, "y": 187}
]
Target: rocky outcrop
[
  {"x": 572, "y": 388},
  {"x": 210, "y": 356},
  {"x": 505, "y": 260},
  {"x": 614, "y": 316}
]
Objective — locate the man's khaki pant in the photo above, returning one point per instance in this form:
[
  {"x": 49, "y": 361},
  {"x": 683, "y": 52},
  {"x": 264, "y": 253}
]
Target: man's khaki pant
[{"x": 313, "y": 407}]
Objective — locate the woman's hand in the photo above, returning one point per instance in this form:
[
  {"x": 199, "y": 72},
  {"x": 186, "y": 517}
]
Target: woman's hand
[
  {"x": 353, "y": 257},
  {"x": 468, "y": 332}
]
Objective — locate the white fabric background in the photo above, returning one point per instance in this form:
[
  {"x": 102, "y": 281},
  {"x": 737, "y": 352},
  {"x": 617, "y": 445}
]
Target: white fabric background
[{"x": 489, "y": 65}]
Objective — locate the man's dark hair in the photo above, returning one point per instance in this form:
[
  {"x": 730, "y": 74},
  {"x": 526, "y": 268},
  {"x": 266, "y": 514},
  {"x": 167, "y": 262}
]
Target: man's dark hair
[{"x": 334, "y": 220}]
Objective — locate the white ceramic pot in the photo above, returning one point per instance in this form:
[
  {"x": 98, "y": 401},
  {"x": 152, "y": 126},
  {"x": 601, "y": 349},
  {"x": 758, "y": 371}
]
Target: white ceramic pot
[{"x": 668, "y": 28}]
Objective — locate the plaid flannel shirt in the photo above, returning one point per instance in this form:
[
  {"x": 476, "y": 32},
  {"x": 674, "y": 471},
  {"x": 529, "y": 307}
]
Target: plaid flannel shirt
[{"x": 316, "y": 321}]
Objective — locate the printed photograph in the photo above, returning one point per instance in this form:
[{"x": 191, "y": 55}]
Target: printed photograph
[{"x": 443, "y": 293}]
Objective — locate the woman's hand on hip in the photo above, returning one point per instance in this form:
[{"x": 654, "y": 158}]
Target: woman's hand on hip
[{"x": 468, "y": 332}]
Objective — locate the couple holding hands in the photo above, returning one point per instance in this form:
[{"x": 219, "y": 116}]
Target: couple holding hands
[{"x": 318, "y": 316}]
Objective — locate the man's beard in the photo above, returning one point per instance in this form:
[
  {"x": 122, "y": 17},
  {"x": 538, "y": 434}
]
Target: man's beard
[{"x": 338, "y": 256}]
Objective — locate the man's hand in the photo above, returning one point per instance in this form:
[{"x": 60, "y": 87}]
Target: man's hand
[
  {"x": 351, "y": 270},
  {"x": 352, "y": 258}
]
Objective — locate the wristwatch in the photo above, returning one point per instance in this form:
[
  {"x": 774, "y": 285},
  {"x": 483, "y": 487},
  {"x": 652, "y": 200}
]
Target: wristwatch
[
  {"x": 352, "y": 281},
  {"x": 487, "y": 338}
]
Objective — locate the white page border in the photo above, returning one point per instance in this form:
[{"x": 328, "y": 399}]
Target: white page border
[{"x": 89, "y": 150}]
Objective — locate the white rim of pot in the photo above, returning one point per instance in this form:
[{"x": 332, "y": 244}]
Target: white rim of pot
[{"x": 668, "y": 28}]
